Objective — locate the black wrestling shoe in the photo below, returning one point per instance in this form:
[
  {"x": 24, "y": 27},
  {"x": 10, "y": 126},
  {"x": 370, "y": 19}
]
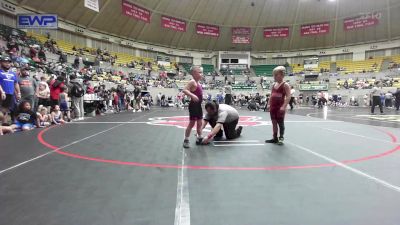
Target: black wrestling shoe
[
  {"x": 280, "y": 141},
  {"x": 239, "y": 131},
  {"x": 272, "y": 141},
  {"x": 217, "y": 138},
  {"x": 199, "y": 141}
]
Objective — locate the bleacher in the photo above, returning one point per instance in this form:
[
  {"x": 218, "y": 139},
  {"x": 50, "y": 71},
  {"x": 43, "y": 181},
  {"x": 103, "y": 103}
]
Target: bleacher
[
  {"x": 122, "y": 58},
  {"x": 396, "y": 59},
  {"x": 186, "y": 66},
  {"x": 207, "y": 68},
  {"x": 368, "y": 65},
  {"x": 263, "y": 70}
]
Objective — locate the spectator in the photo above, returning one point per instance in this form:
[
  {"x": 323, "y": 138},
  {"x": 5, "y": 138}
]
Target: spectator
[
  {"x": 42, "y": 55},
  {"x": 5, "y": 129},
  {"x": 28, "y": 88},
  {"x": 397, "y": 100},
  {"x": 64, "y": 103},
  {"x": 26, "y": 119},
  {"x": 228, "y": 94},
  {"x": 43, "y": 116},
  {"x": 77, "y": 92},
  {"x": 55, "y": 90},
  {"x": 56, "y": 116},
  {"x": 388, "y": 99},
  {"x": 43, "y": 93},
  {"x": 138, "y": 95},
  {"x": 376, "y": 97},
  {"x": 9, "y": 88}
]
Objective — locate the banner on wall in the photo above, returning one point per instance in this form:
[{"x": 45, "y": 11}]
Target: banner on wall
[
  {"x": 92, "y": 4},
  {"x": 241, "y": 35},
  {"x": 314, "y": 29},
  {"x": 208, "y": 30},
  {"x": 173, "y": 23},
  {"x": 313, "y": 87},
  {"x": 134, "y": 11},
  {"x": 276, "y": 32},
  {"x": 33, "y": 21},
  {"x": 366, "y": 20}
]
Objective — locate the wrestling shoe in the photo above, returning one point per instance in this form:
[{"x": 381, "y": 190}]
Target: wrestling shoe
[
  {"x": 239, "y": 131},
  {"x": 280, "y": 141},
  {"x": 272, "y": 141},
  {"x": 199, "y": 141},
  {"x": 186, "y": 144}
]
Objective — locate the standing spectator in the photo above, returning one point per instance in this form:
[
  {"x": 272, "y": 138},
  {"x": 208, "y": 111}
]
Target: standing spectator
[
  {"x": 138, "y": 95},
  {"x": 388, "y": 99},
  {"x": 9, "y": 88},
  {"x": 28, "y": 88},
  {"x": 77, "y": 92},
  {"x": 55, "y": 90},
  {"x": 292, "y": 99},
  {"x": 76, "y": 62},
  {"x": 365, "y": 100},
  {"x": 64, "y": 103},
  {"x": 43, "y": 93},
  {"x": 121, "y": 97},
  {"x": 397, "y": 96},
  {"x": 376, "y": 98},
  {"x": 228, "y": 93}
]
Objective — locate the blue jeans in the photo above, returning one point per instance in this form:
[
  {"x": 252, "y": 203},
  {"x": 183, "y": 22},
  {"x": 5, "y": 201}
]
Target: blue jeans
[{"x": 121, "y": 103}]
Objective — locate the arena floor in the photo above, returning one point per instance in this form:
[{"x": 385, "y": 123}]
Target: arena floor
[{"x": 338, "y": 166}]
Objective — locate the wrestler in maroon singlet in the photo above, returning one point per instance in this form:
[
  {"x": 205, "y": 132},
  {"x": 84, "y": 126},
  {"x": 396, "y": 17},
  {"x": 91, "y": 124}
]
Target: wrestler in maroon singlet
[{"x": 280, "y": 97}]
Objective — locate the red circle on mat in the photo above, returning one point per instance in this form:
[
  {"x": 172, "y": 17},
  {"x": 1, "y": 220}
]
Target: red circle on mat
[{"x": 174, "y": 166}]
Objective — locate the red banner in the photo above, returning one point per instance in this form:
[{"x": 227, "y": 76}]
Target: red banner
[
  {"x": 314, "y": 29},
  {"x": 240, "y": 39},
  {"x": 208, "y": 30},
  {"x": 241, "y": 30},
  {"x": 276, "y": 32},
  {"x": 173, "y": 23},
  {"x": 367, "y": 20},
  {"x": 241, "y": 35},
  {"x": 134, "y": 11}
]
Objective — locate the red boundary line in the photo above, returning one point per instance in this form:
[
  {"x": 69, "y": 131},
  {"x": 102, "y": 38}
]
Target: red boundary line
[{"x": 173, "y": 166}]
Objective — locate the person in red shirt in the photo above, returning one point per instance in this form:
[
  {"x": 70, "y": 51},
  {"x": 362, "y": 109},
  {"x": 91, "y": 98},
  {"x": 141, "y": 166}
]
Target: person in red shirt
[
  {"x": 280, "y": 98},
  {"x": 55, "y": 90}
]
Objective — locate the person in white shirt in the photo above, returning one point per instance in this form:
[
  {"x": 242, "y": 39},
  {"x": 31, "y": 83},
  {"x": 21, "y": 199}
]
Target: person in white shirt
[
  {"x": 376, "y": 97},
  {"x": 388, "y": 99},
  {"x": 292, "y": 98}
]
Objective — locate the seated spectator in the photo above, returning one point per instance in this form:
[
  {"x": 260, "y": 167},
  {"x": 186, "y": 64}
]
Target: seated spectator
[
  {"x": 42, "y": 55},
  {"x": 56, "y": 116},
  {"x": 43, "y": 116},
  {"x": 5, "y": 129},
  {"x": 25, "y": 118}
]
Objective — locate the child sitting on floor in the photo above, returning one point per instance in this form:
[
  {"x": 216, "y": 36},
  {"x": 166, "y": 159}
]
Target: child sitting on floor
[
  {"x": 43, "y": 117},
  {"x": 56, "y": 116},
  {"x": 25, "y": 118},
  {"x": 5, "y": 129}
]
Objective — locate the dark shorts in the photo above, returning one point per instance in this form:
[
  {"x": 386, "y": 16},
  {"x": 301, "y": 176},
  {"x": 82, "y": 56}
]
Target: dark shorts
[
  {"x": 44, "y": 102},
  {"x": 53, "y": 102},
  {"x": 8, "y": 103},
  {"x": 63, "y": 106},
  {"x": 276, "y": 114},
  {"x": 195, "y": 111}
]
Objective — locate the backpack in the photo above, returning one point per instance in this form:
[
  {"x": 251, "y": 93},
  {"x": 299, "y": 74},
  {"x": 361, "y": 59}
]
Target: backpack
[{"x": 77, "y": 90}]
